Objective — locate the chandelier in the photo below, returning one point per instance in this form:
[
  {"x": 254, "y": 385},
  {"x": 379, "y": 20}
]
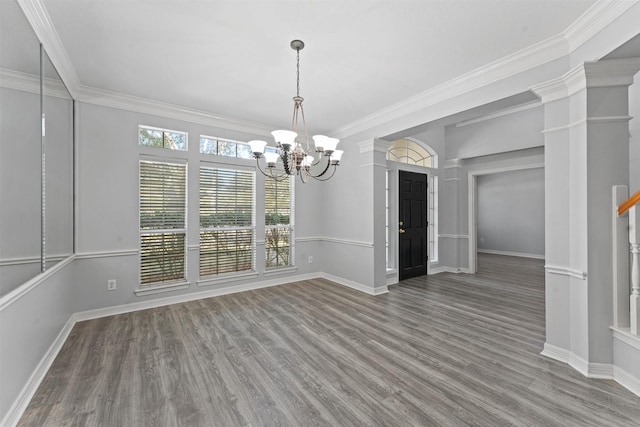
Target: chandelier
[{"x": 291, "y": 156}]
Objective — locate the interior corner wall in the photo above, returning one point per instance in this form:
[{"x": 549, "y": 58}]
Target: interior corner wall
[{"x": 348, "y": 218}]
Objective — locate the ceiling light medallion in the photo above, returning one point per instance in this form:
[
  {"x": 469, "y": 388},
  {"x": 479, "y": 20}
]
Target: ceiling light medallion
[{"x": 291, "y": 157}]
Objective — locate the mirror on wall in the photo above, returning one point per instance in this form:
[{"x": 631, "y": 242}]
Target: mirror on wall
[
  {"x": 58, "y": 165},
  {"x": 36, "y": 194}
]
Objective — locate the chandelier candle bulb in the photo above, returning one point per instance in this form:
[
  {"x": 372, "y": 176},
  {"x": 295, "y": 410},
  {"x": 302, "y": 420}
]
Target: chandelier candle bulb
[
  {"x": 335, "y": 157},
  {"x": 271, "y": 159},
  {"x": 257, "y": 147}
]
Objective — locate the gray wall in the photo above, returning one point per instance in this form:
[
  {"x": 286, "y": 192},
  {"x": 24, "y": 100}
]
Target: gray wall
[{"x": 511, "y": 212}]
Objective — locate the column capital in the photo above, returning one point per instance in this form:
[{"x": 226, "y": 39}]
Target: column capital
[
  {"x": 374, "y": 144},
  {"x": 604, "y": 73}
]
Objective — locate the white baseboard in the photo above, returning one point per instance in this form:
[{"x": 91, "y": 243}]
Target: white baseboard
[
  {"x": 507, "y": 253},
  {"x": 593, "y": 370},
  {"x": 355, "y": 285},
  {"x": 555, "y": 353},
  {"x": 26, "y": 394},
  {"x": 194, "y": 296},
  {"x": 436, "y": 270},
  {"x": 627, "y": 380}
]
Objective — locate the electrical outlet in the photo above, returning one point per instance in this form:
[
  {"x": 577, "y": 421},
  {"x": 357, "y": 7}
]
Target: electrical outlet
[
  {"x": 111, "y": 284},
  {"x": 311, "y": 260}
]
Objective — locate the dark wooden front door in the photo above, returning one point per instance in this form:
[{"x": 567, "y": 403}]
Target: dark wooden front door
[{"x": 413, "y": 225}]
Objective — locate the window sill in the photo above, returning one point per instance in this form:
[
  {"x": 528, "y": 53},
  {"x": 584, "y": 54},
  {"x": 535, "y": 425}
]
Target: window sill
[
  {"x": 227, "y": 278},
  {"x": 168, "y": 287},
  {"x": 281, "y": 270}
]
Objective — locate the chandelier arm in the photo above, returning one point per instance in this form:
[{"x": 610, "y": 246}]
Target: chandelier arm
[
  {"x": 326, "y": 167},
  {"x": 326, "y": 178},
  {"x": 302, "y": 176},
  {"x": 270, "y": 174}
]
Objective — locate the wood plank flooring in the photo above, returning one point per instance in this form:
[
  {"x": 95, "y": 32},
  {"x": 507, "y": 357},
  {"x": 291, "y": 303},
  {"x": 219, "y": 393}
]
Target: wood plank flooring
[{"x": 443, "y": 350}]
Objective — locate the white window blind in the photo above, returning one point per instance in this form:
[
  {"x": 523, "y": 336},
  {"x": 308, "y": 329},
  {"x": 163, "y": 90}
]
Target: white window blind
[
  {"x": 163, "y": 196},
  {"x": 278, "y": 223},
  {"x": 227, "y": 221}
]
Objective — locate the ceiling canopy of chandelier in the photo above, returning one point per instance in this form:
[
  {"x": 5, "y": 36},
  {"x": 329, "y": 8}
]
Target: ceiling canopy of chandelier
[{"x": 292, "y": 155}]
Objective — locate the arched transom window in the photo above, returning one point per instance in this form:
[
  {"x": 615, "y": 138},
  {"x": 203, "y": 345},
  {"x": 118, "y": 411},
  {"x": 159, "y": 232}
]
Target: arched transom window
[{"x": 412, "y": 153}]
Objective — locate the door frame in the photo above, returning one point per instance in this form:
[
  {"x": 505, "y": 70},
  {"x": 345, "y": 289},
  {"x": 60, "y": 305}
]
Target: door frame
[
  {"x": 393, "y": 169},
  {"x": 472, "y": 213}
]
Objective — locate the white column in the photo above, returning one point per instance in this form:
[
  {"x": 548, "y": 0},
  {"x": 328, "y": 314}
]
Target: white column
[
  {"x": 586, "y": 153},
  {"x": 634, "y": 240}
]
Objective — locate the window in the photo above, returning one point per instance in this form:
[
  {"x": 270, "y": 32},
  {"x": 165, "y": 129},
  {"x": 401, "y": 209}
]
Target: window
[
  {"x": 411, "y": 153},
  {"x": 154, "y": 137},
  {"x": 163, "y": 197},
  {"x": 225, "y": 147},
  {"x": 278, "y": 223},
  {"x": 227, "y": 221}
]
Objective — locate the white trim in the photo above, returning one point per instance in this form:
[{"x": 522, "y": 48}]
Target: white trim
[
  {"x": 227, "y": 278},
  {"x": 565, "y": 271},
  {"x": 451, "y": 179},
  {"x": 589, "y": 120},
  {"x": 555, "y": 353},
  {"x": 453, "y": 236},
  {"x": 158, "y": 289},
  {"x": 523, "y": 60},
  {"x": 31, "y": 386},
  {"x": 232, "y": 289},
  {"x": 309, "y": 239},
  {"x": 447, "y": 269},
  {"x": 107, "y": 254},
  {"x": 26, "y": 82},
  {"x": 524, "y": 107},
  {"x": 37, "y": 15},
  {"x": 348, "y": 242},
  {"x": 472, "y": 189},
  {"x": 600, "y": 370},
  {"x": 593, "y": 20},
  {"x": 579, "y": 364},
  {"x": 437, "y": 270},
  {"x": 452, "y": 163},
  {"x": 507, "y": 253},
  {"x": 626, "y": 337},
  {"x": 627, "y": 380},
  {"x": 355, "y": 285},
  {"x": 25, "y": 288},
  {"x": 280, "y": 270},
  {"x": 31, "y": 260},
  {"x": 162, "y": 109}
]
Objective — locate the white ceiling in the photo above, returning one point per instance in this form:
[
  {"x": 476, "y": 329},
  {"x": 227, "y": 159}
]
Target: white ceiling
[{"x": 233, "y": 58}]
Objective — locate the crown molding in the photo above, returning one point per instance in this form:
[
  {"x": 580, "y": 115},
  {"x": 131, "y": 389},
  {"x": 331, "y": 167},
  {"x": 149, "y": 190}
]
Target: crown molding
[
  {"x": 19, "y": 81},
  {"x": 605, "y": 73},
  {"x": 611, "y": 72},
  {"x": 593, "y": 20},
  {"x": 30, "y": 83},
  {"x": 533, "y": 56},
  {"x": 502, "y": 113},
  {"x": 136, "y": 104},
  {"x": 39, "y": 18}
]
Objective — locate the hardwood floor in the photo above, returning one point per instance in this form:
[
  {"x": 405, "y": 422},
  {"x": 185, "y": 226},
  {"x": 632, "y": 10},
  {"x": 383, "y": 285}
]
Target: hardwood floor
[{"x": 447, "y": 350}]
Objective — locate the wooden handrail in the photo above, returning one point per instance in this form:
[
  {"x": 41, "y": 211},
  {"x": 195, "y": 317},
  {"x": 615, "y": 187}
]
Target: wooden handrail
[{"x": 629, "y": 203}]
